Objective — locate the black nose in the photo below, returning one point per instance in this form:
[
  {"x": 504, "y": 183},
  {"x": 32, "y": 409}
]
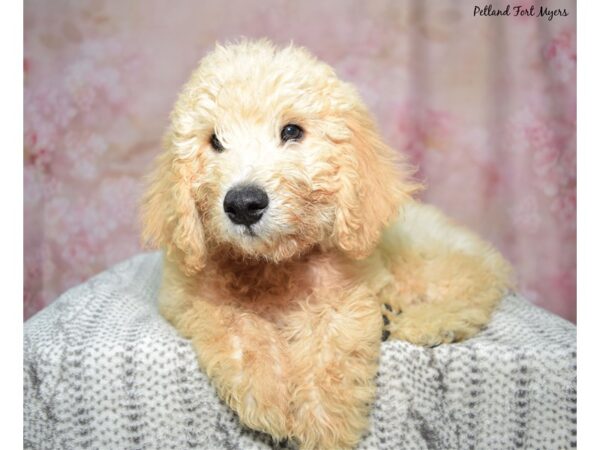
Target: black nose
[{"x": 245, "y": 205}]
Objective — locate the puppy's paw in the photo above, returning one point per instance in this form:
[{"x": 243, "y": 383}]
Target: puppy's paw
[
  {"x": 268, "y": 418},
  {"x": 424, "y": 325},
  {"x": 317, "y": 434},
  {"x": 427, "y": 336}
]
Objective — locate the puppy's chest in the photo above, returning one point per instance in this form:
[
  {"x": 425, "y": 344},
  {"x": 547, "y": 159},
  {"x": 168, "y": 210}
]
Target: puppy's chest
[
  {"x": 270, "y": 298},
  {"x": 278, "y": 293}
]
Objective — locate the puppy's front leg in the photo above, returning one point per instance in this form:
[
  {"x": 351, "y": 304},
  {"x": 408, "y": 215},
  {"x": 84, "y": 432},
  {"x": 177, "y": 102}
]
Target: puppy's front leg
[
  {"x": 334, "y": 348},
  {"x": 445, "y": 282},
  {"x": 246, "y": 360}
]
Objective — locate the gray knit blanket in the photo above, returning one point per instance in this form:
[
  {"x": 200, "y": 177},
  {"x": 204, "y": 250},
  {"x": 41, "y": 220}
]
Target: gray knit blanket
[{"x": 103, "y": 370}]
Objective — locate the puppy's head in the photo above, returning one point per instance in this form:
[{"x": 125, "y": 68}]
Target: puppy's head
[{"x": 268, "y": 155}]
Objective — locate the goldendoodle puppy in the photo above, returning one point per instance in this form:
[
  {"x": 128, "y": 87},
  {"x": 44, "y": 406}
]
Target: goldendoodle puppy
[{"x": 292, "y": 245}]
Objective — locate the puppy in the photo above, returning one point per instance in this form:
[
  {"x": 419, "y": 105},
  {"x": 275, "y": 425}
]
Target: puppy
[{"x": 292, "y": 245}]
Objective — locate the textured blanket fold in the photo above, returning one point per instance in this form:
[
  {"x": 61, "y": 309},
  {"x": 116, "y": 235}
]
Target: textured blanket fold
[{"x": 102, "y": 369}]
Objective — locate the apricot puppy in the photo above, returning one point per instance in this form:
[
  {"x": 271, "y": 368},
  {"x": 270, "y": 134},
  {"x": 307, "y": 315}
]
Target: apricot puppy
[{"x": 292, "y": 244}]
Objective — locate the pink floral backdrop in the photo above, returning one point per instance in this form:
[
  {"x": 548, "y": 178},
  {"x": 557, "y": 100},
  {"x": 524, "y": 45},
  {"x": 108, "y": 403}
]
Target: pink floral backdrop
[{"x": 484, "y": 105}]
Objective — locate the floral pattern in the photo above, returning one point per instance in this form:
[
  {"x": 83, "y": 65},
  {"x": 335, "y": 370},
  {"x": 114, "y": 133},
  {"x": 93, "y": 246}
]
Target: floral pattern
[{"x": 484, "y": 106}]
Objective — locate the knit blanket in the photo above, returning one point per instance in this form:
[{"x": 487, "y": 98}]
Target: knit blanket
[{"x": 103, "y": 370}]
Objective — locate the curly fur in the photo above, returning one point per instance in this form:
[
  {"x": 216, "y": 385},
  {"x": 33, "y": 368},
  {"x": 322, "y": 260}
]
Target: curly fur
[{"x": 287, "y": 321}]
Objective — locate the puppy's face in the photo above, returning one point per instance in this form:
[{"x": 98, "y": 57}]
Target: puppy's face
[{"x": 268, "y": 155}]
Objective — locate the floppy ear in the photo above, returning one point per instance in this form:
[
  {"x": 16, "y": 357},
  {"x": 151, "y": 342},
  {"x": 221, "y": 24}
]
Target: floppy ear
[
  {"x": 169, "y": 213},
  {"x": 373, "y": 185}
]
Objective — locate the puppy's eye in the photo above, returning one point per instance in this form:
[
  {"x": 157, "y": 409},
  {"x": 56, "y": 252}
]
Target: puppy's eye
[
  {"x": 216, "y": 144},
  {"x": 291, "y": 132}
]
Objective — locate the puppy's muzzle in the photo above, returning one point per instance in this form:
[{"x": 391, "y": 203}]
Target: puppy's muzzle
[{"x": 245, "y": 205}]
